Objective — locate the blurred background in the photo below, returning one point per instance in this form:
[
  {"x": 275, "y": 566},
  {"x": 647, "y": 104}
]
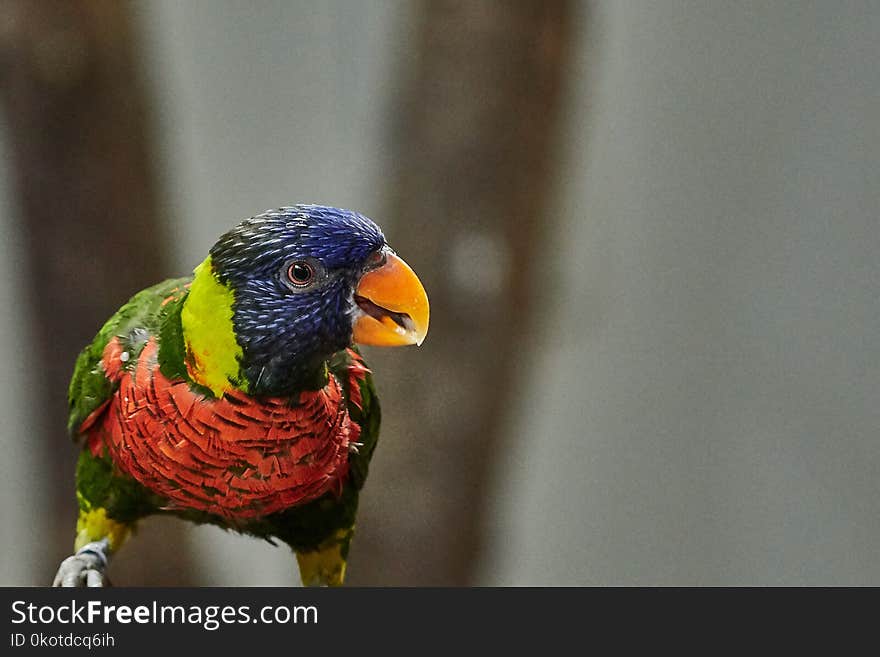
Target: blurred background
[{"x": 650, "y": 232}]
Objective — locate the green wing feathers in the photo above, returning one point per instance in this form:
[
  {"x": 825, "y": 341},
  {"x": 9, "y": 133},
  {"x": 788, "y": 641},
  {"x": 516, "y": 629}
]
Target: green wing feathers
[{"x": 134, "y": 323}]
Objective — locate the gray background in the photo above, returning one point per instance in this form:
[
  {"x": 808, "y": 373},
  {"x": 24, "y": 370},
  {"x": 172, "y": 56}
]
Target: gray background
[{"x": 701, "y": 401}]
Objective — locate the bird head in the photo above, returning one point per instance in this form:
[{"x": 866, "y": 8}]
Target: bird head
[{"x": 283, "y": 291}]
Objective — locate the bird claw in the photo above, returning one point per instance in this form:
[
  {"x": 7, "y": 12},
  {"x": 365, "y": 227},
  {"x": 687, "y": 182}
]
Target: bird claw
[
  {"x": 86, "y": 568},
  {"x": 354, "y": 448}
]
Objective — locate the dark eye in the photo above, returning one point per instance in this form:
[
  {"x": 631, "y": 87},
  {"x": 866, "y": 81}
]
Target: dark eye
[
  {"x": 377, "y": 259},
  {"x": 300, "y": 273}
]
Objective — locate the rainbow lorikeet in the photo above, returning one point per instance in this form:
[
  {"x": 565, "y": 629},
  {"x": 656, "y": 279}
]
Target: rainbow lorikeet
[{"x": 237, "y": 396}]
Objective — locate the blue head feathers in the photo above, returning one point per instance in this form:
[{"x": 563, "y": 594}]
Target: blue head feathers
[{"x": 293, "y": 273}]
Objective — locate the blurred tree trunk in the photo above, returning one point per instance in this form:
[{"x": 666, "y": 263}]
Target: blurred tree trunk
[
  {"x": 475, "y": 154},
  {"x": 79, "y": 132}
]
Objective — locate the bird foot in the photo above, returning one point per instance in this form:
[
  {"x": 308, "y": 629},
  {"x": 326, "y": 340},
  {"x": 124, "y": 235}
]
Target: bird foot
[{"x": 85, "y": 568}]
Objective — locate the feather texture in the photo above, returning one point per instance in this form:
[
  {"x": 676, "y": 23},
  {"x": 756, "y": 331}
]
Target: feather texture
[{"x": 236, "y": 456}]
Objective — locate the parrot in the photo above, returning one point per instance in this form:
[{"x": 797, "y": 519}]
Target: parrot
[{"x": 238, "y": 396}]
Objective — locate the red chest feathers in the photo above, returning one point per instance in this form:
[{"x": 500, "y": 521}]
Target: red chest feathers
[{"x": 234, "y": 456}]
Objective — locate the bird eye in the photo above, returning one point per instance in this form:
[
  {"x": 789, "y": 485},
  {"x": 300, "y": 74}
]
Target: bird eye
[
  {"x": 300, "y": 273},
  {"x": 377, "y": 259}
]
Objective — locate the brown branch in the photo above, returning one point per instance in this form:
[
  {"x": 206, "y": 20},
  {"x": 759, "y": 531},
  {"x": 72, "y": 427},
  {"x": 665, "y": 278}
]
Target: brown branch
[{"x": 475, "y": 148}]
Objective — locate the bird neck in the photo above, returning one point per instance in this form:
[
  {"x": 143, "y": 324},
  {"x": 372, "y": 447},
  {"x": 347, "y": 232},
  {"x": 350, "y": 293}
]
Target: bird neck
[{"x": 213, "y": 355}]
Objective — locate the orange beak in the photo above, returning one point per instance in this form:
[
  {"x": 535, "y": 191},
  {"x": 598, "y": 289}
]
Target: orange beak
[{"x": 393, "y": 306}]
